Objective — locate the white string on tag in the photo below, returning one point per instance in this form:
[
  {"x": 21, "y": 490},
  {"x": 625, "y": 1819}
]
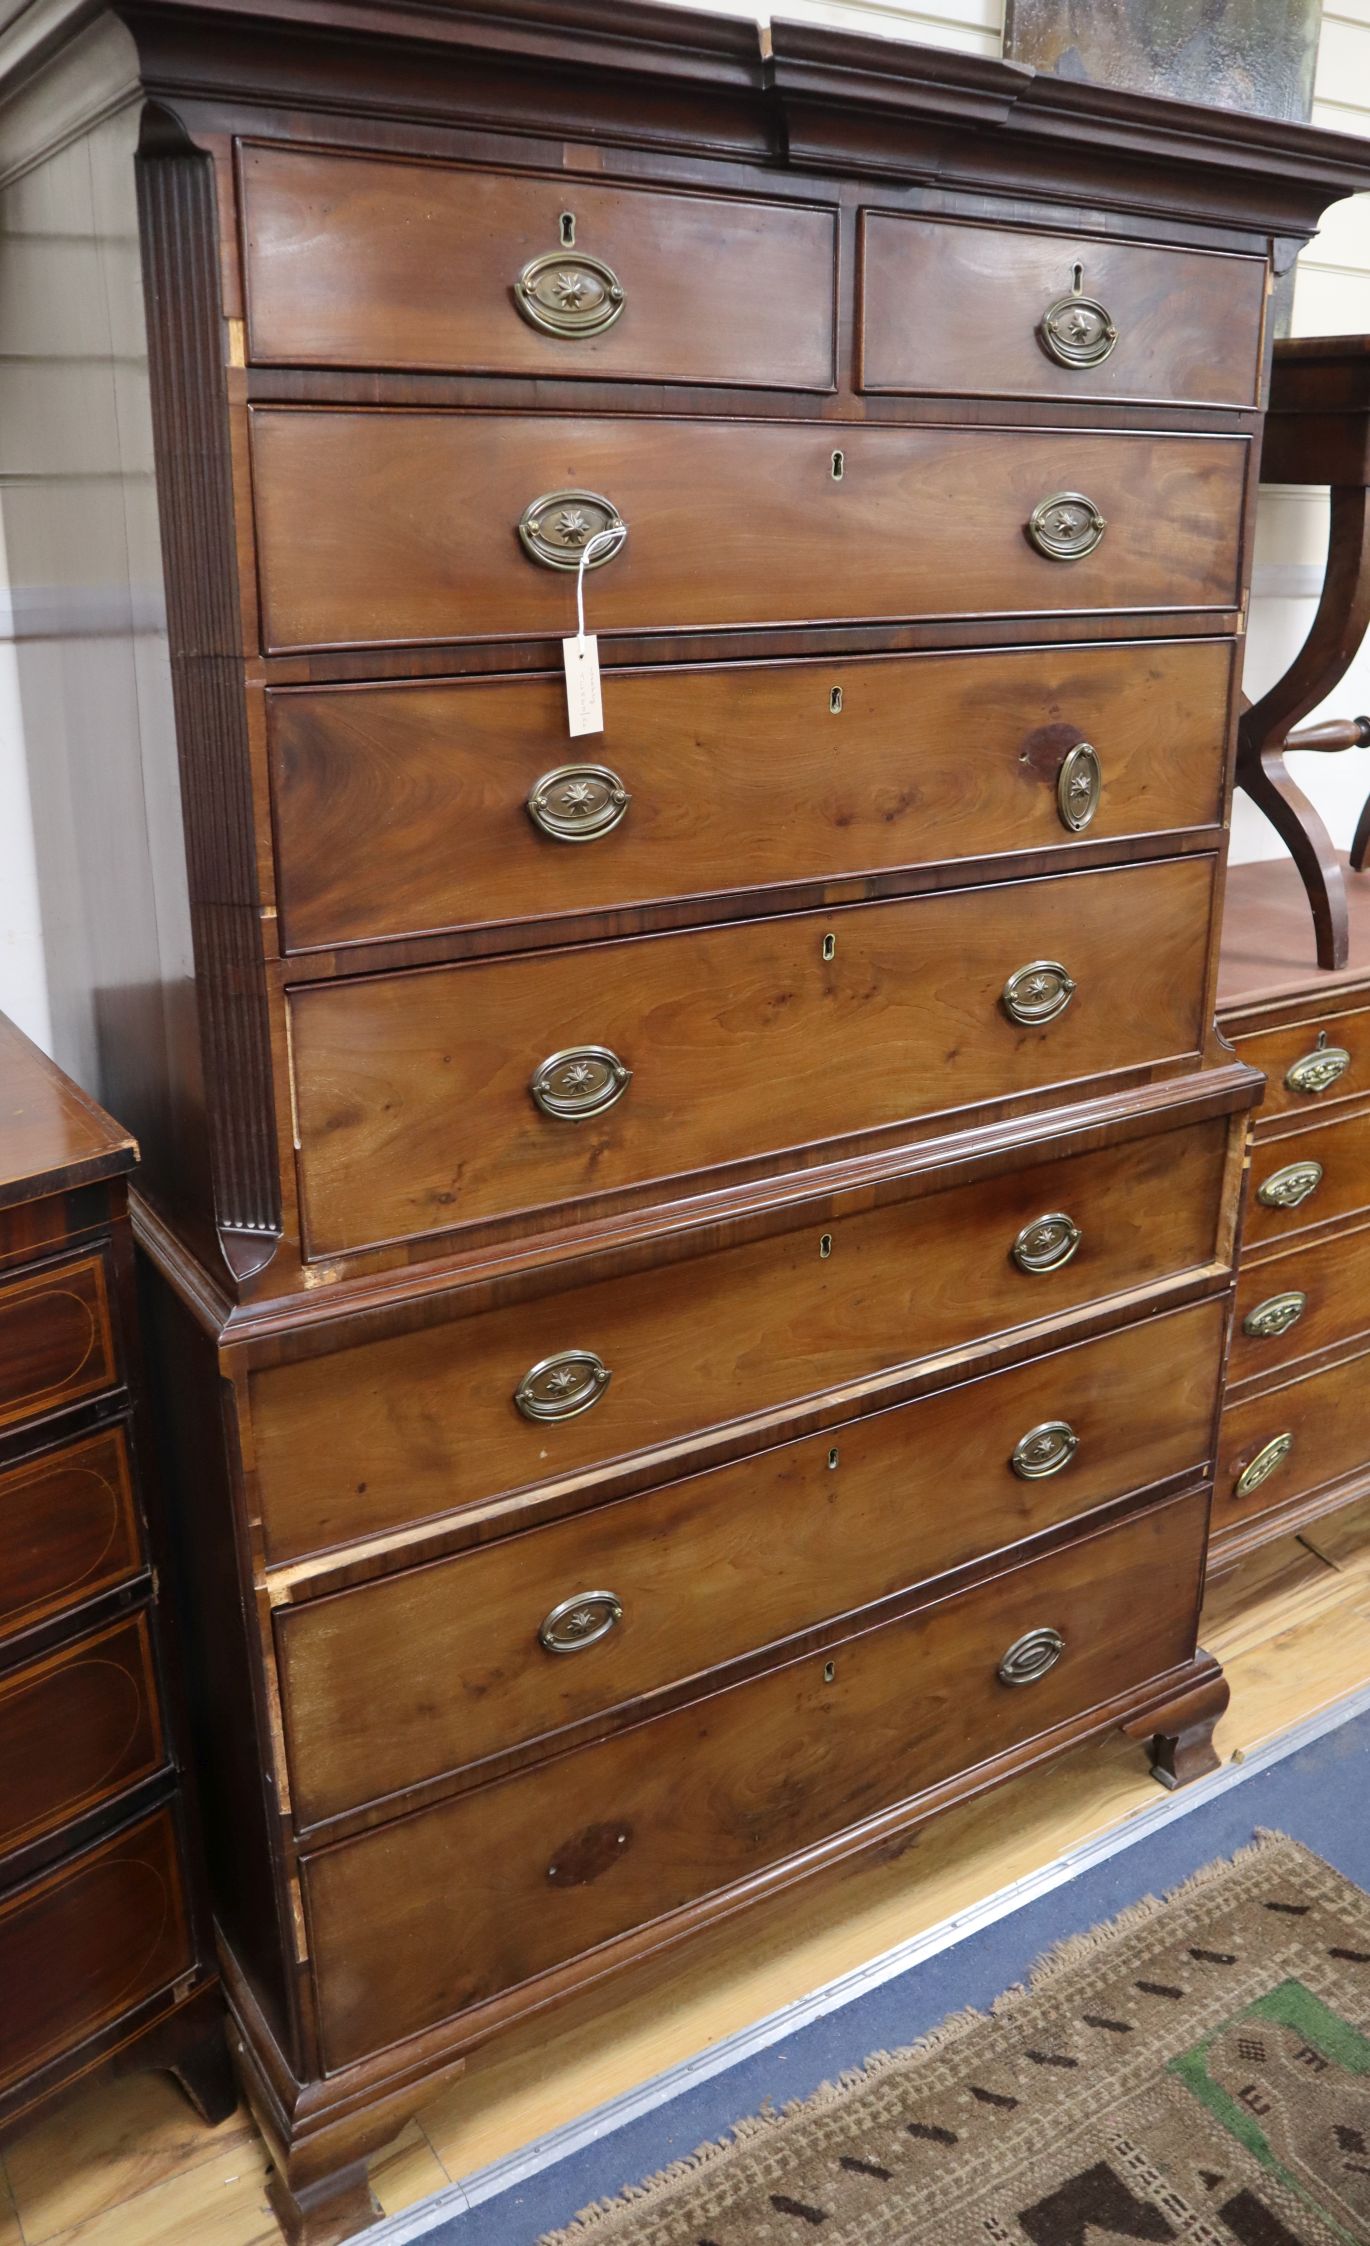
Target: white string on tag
[
  {"x": 580, "y": 656},
  {"x": 612, "y": 539}
]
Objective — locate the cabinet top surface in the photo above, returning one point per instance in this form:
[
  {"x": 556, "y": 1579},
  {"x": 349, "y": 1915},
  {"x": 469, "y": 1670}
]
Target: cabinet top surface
[
  {"x": 789, "y": 94},
  {"x": 1267, "y": 939},
  {"x": 51, "y": 1135}
]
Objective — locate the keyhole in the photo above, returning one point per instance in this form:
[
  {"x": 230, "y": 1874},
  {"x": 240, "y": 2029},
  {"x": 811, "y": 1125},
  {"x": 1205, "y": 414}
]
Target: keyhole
[
  {"x": 839, "y": 463},
  {"x": 825, "y": 1245},
  {"x": 1077, "y": 279},
  {"x": 832, "y": 1459},
  {"x": 830, "y": 947},
  {"x": 829, "y": 1671},
  {"x": 568, "y": 231},
  {"x": 835, "y": 701},
  {"x": 1322, "y": 1040}
]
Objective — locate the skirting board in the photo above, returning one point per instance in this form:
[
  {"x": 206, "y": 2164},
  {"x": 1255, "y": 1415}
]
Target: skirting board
[{"x": 573, "y": 2136}]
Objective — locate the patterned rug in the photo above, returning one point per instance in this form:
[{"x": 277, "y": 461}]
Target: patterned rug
[{"x": 1197, "y": 2071}]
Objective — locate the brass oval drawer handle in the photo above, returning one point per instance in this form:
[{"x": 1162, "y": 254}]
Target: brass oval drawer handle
[
  {"x": 1038, "y": 992},
  {"x": 1044, "y": 1450},
  {"x": 1290, "y": 1187},
  {"x": 583, "y": 1081},
  {"x": 1066, "y": 527},
  {"x": 580, "y": 1621},
  {"x": 1267, "y": 1461},
  {"x": 1077, "y": 331},
  {"x": 568, "y": 293},
  {"x": 1030, "y": 1657},
  {"x": 556, "y": 528},
  {"x": 1046, "y": 1243},
  {"x": 1079, "y": 785},
  {"x": 578, "y": 802},
  {"x": 1275, "y": 1316},
  {"x": 563, "y": 1386},
  {"x": 1319, "y": 1070}
]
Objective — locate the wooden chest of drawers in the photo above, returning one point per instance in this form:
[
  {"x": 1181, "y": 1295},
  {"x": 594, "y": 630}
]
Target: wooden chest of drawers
[
  {"x": 609, "y": 1188},
  {"x": 1295, "y": 1439},
  {"x": 104, "y": 1954}
]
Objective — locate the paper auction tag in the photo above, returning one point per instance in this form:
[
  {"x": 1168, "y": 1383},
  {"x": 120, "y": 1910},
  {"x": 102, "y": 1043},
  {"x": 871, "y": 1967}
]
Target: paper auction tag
[{"x": 584, "y": 701}]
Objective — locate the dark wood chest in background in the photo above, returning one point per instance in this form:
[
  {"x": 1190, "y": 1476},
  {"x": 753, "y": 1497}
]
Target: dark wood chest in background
[
  {"x": 689, "y": 1266},
  {"x": 105, "y": 1956},
  {"x": 1295, "y": 1438}
]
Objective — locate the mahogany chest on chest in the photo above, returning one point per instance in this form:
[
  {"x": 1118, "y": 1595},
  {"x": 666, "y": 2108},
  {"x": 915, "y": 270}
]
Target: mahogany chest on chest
[{"x": 691, "y": 1263}]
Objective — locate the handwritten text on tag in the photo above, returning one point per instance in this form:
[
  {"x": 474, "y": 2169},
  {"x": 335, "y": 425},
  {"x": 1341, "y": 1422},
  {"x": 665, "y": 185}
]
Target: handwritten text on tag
[{"x": 584, "y": 702}]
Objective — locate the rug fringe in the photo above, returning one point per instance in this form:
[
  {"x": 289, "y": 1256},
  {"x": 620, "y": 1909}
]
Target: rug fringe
[{"x": 596, "y": 2222}]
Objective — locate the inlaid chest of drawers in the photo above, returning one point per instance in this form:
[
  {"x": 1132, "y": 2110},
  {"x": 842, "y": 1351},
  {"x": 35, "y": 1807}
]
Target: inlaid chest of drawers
[
  {"x": 105, "y": 1955},
  {"x": 690, "y": 1265},
  {"x": 1295, "y": 1440}
]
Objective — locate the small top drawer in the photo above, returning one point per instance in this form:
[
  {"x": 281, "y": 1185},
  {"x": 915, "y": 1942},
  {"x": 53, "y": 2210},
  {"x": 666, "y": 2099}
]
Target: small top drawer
[
  {"x": 994, "y": 310},
  {"x": 358, "y": 261},
  {"x": 1310, "y": 1064},
  {"x": 56, "y": 1340}
]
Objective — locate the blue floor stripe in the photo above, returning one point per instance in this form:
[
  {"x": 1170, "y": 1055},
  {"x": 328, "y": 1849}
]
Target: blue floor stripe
[{"x": 1320, "y": 1795}]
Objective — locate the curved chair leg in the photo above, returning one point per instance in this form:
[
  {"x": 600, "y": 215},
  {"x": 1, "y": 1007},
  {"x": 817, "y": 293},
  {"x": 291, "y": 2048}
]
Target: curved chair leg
[{"x": 1266, "y": 780}]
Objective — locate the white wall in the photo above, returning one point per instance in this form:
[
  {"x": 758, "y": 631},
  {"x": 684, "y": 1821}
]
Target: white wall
[{"x": 1332, "y": 297}]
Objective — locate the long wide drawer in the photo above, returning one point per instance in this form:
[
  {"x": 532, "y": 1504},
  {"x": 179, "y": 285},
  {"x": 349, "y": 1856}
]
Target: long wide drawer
[
  {"x": 396, "y": 527},
  {"x": 444, "y": 1096},
  {"x": 1306, "y": 1299},
  {"x": 586, "y": 1614},
  {"x": 76, "y": 1730},
  {"x": 433, "y": 805},
  {"x": 357, "y": 1441},
  {"x": 422, "y": 1919},
  {"x": 1304, "y": 1178},
  {"x": 1287, "y": 1442},
  {"x": 967, "y": 310},
  {"x": 90, "y": 1942},
  {"x": 362, "y": 261},
  {"x": 68, "y": 1528},
  {"x": 57, "y": 1343}
]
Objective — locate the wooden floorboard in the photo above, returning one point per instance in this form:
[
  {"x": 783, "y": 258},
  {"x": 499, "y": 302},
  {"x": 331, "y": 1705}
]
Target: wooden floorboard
[{"x": 127, "y": 2163}]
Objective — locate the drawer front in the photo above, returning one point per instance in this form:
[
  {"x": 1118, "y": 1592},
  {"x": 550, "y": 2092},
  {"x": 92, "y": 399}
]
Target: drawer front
[
  {"x": 364, "y": 262},
  {"x": 726, "y": 1562},
  {"x": 425, "y": 806},
  {"x": 395, "y": 528},
  {"x": 1309, "y": 1064},
  {"x": 1307, "y": 1299},
  {"x": 420, "y": 1920},
  {"x": 444, "y": 1096},
  {"x": 86, "y": 1944},
  {"x": 77, "y": 1729},
  {"x": 1289, "y": 1441},
  {"x": 1306, "y": 1177},
  {"x": 56, "y": 1340},
  {"x": 978, "y": 310},
  {"x": 68, "y": 1528},
  {"x": 397, "y": 1430}
]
